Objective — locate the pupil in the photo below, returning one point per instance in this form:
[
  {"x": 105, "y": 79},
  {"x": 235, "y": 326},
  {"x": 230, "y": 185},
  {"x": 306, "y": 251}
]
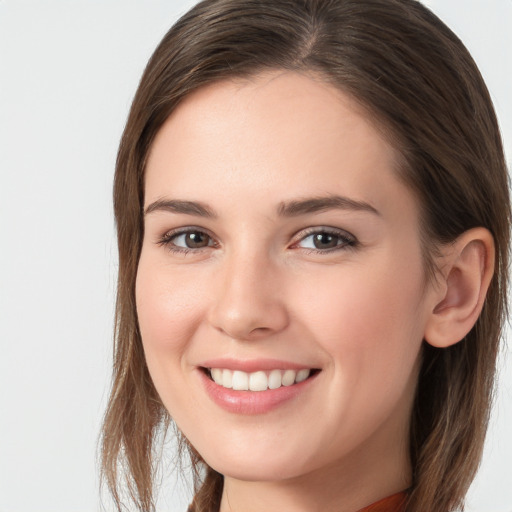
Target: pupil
[
  {"x": 324, "y": 240},
  {"x": 196, "y": 239}
]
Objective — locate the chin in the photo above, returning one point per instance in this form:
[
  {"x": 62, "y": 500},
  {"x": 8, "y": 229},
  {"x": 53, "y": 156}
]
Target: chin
[
  {"x": 258, "y": 465},
  {"x": 251, "y": 471}
]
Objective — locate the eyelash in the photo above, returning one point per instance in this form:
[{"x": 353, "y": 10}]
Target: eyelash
[
  {"x": 347, "y": 241},
  {"x": 167, "y": 240}
]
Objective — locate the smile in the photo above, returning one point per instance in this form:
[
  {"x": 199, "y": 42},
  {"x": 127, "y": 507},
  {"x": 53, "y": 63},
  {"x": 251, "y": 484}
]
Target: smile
[
  {"x": 257, "y": 381},
  {"x": 261, "y": 389}
]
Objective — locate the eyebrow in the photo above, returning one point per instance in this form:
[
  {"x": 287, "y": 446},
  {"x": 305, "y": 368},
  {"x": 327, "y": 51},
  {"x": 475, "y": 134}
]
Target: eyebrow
[
  {"x": 285, "y": 209},
  {"x": 179, "y": 206},
  {"x": 319, "y": 204}
]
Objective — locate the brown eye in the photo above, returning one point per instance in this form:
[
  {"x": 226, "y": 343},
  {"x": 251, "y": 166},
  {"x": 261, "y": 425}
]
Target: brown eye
[
  {"x": 196, "y": 240},
  {"x": 187, "y": 240},
  {"x": 325, "y": 241}
]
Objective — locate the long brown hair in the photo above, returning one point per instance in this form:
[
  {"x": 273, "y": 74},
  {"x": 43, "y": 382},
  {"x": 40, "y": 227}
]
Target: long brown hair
[{"x": 418, "y": 82}]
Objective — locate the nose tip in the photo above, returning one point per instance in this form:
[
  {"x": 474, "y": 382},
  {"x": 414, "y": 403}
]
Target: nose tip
[
  {"x": 249, "y": 304},
  {"x": 250, "y": 326}
]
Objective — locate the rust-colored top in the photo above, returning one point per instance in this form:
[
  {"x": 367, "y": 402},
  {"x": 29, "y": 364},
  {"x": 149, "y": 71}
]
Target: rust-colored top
[{"x": 395, "y": 503}]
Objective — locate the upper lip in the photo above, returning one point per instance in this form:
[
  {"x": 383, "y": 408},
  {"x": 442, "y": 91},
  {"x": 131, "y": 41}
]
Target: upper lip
[{"x": 253, "y": 365}]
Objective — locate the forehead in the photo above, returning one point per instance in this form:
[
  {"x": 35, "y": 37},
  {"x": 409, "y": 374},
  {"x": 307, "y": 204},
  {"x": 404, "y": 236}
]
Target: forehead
[{"x": 279, "y": 133}]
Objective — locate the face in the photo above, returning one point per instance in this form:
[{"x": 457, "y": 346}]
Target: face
[{"x": 281, "y": 254}]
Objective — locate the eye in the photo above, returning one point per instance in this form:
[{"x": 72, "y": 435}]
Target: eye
[
  {"x": 187, "y": 240},
  {"x": 326, "y": 240},
  {"x": 192, "y": 240}
]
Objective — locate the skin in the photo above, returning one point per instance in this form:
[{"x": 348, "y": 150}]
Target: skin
[{"x": 260, "y": 289}]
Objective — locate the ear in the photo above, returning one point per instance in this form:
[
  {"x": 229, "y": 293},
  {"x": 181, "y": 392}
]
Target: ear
[{"x": 463, "y": 281}]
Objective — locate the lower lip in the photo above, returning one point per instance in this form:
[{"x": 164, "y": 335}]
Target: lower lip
[{"x": 252, "y": 402}]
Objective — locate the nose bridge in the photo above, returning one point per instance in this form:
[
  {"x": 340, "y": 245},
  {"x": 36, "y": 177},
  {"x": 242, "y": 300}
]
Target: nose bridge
[{"x": 248, "y": 302}]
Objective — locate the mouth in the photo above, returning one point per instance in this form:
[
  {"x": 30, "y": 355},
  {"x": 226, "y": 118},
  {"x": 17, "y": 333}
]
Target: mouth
[
  {"x": 261, "y": 380},
  {"x": 256, "y": 386}
]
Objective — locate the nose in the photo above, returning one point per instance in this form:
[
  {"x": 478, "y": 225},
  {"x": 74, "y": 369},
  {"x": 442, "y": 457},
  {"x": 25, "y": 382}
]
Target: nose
[{"x": 249, "y": 300}]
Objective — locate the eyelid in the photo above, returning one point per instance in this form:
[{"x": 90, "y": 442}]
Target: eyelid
[
  {"x": 166, "y": 239},
  {"x": 351, "y": 240}
]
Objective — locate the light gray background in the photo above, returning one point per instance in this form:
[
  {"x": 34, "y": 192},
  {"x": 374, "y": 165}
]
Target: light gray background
[{"x": 68, "y": 71}]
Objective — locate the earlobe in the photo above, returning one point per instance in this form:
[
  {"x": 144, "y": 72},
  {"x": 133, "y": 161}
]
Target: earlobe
[{"x": 468, "y": 266}]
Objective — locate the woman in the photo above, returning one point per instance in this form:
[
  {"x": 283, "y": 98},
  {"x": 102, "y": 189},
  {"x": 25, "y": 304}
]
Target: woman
[{"x": 313, "y": 226}]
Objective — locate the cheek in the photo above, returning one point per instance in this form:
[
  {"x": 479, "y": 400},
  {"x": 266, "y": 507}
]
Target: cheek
[
  {"x": 370, "y": 323},
  {"x": 168, "y": 312}
]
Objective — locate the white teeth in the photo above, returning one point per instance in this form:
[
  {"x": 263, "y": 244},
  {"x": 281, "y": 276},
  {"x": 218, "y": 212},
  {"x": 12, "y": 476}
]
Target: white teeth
[
  {"x": 227, "y": 379},
  {"x": 289, "y": 377},
  {"x": 216, "y": 375},
  {"x": 274, "y": 379},
  {"x": 258, "y": 381},
  {"x": 240, "y": 381},
  {"x": 302, "y": 375}
]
